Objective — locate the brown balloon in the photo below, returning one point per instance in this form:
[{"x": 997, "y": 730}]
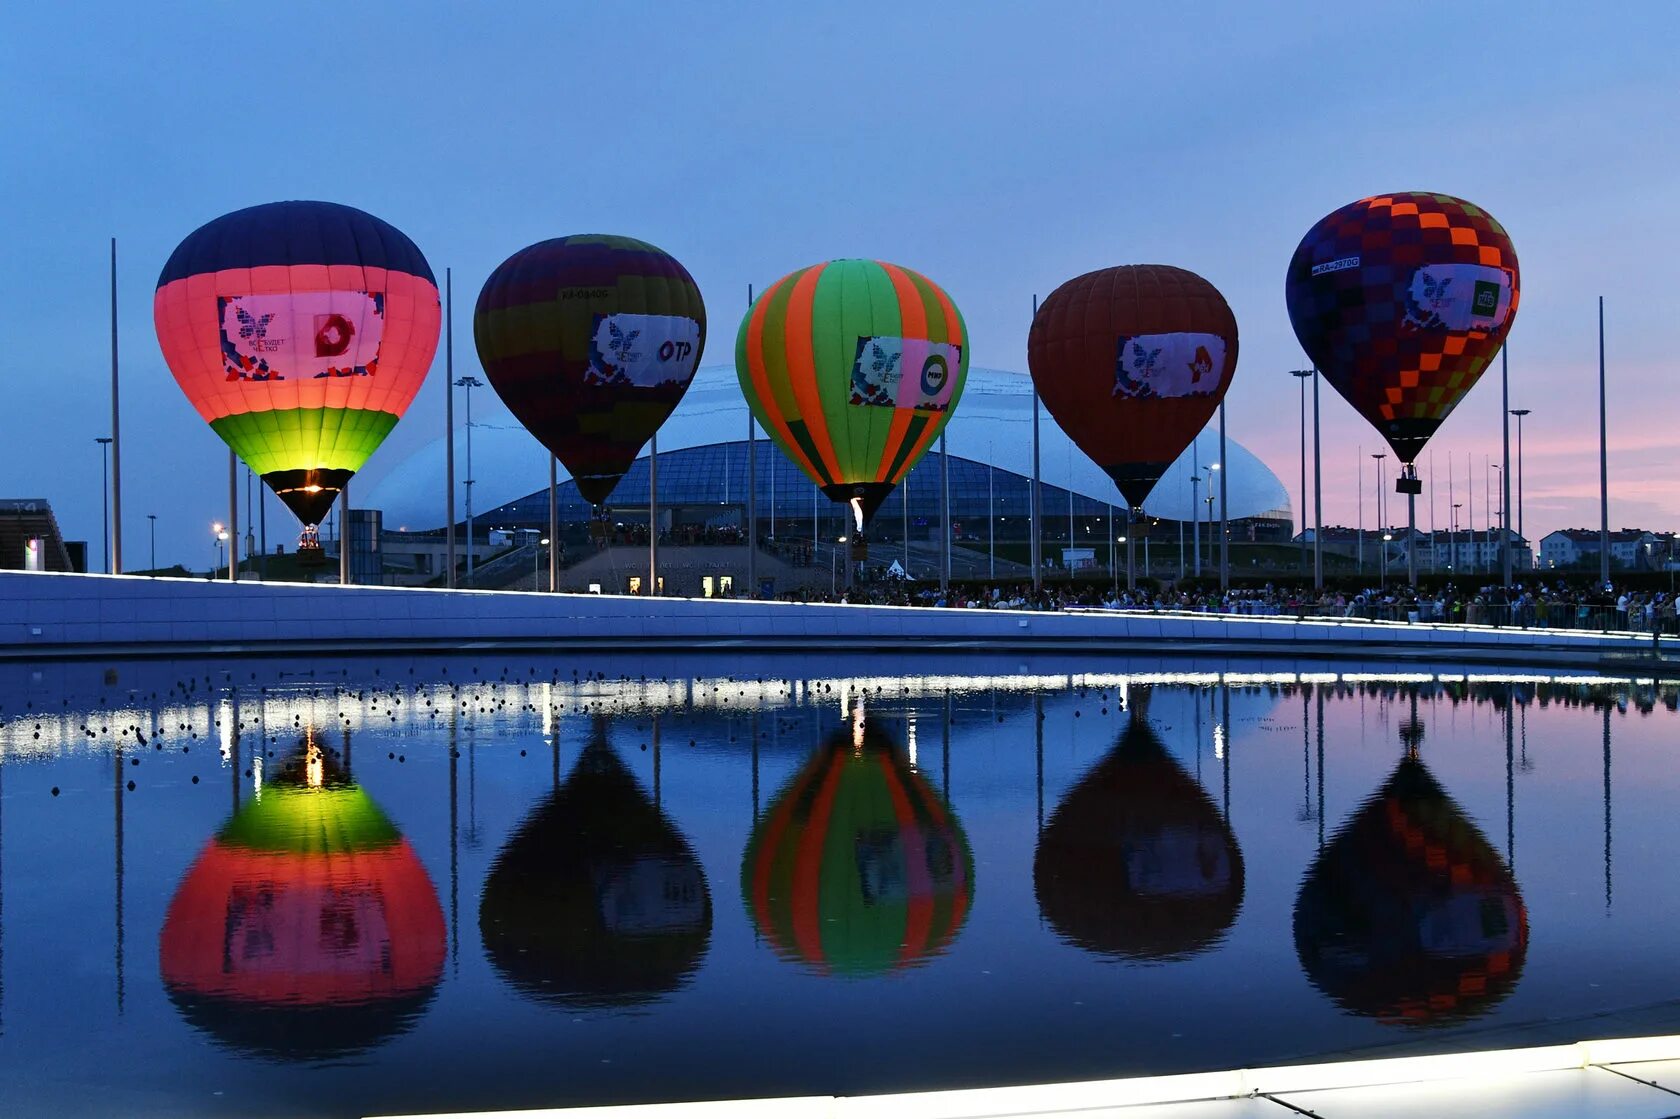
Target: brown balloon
[{"x": 1132, "y": 362}]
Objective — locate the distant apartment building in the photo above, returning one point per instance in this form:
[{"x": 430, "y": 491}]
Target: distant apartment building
[
  {"x": 1631, "y": 549},
  {"x": 1436, "y": 552}
]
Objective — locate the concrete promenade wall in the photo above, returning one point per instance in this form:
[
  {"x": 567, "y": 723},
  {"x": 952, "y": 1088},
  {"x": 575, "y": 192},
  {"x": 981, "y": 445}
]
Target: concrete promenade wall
[{"x": 45, "y": 616}]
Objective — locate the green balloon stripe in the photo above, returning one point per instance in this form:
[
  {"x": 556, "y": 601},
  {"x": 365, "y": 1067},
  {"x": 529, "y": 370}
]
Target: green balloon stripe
[{"x": 305, "y": 438}]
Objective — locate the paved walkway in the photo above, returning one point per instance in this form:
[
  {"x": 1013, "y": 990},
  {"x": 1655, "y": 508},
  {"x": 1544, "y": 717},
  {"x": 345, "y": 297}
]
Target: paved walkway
[{"x": 1634, "y": 1078}]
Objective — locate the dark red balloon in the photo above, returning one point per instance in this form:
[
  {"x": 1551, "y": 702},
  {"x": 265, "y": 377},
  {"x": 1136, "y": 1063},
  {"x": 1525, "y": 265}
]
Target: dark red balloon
[
  {"x": 1132, "y": 362},
  {"x": 591, "y": 341}
]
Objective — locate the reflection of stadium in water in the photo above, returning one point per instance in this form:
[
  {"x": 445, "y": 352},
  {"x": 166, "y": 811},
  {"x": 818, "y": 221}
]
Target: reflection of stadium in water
[
  {"x": 1409, "y": 915},
  {"x": 596, "y": 901},
  {"x": 858, "y": 867},
  {"x": 307, "y": 929},
  {"x": 1137, "y": 862}
]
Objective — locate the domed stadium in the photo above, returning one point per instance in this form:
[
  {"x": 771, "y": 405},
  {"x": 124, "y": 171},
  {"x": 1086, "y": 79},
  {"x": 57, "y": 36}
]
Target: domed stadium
[{"x": 703, "y": 477}]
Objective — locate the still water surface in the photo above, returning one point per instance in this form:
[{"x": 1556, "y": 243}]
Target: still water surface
[{"x": 422, "y": 884}]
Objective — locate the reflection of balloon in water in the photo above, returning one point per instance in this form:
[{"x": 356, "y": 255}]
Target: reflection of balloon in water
[
  {"x": 1409, "y": 914},
  {"x": 853, "y": 367},
  {"x": 1401, "y": 300},
  {"x": 307, "y": 929},
  {"x": 596, "y": 901},
  {"x": 301, "y": 332},
  {"x": 1132, "y": 362},
  {"x": 591, "y": 341},
  {"x": 1137, "y": 862},
  {"x": 858, "y": 867}
]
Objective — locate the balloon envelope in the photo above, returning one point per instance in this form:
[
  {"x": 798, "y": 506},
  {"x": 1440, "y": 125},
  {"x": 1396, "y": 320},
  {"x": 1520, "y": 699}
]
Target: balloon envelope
[
  {"x": 300, "y": 331},
  {"x": 591, "y": 341},
  {"x": 853, "y": 367},
  {"x": 1132, "y": 362},
  {"x": 859, "y": 867},
  {"x": 1409, "y": 915},
  {"x": 1401, "y": 301}
]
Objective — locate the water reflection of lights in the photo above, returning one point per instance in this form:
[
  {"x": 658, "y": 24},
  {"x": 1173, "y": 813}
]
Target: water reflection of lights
[{"x": 225, "y": 715}]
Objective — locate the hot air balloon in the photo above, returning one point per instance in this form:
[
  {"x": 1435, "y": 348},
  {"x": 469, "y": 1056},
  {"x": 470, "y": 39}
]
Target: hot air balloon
[
  {"x": 858, "y": 868},
  {"x": 1409, "y": 915},
  {"x": 591, "y": 341},
  {"x": 307, "y": 929},
  {"x": 301, "y": 332},
  {"x": 1132, "y": 362},
  {"x": 596, "y": 901},
  {"x": 853, "y": 367},
  {"x": 1137, "y": 863},
  {"x": 1401, "y": 300}
]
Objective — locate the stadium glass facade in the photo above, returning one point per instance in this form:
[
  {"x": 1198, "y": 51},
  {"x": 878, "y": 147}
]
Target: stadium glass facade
[{"x": 705, "y": 488}]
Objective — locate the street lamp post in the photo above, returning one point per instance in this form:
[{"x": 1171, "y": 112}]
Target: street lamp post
[
  {"x": 1499, "y": 517},
  {"x": 1382, "y": 525},
  {"x": 1195, "y": 523},
  {"x": 104, "y": 442},
  {"x": 1302, "y": 375},
  {"x": 469, "y": 383},
  {"x": 152, "y": 518},
  {"x": 1452, "y": 557},
  {"x": 220, "y": 532},
  {"x": 1520, "y": 413},
  {"x": 1382, "y": 567},
  {"x": 1215, "y": 472},
  {"x": 536, "y": 569}
]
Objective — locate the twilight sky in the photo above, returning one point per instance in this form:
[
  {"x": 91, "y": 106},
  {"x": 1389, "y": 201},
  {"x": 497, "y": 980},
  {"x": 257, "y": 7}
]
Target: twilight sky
[{"x": 999, "y": 148}]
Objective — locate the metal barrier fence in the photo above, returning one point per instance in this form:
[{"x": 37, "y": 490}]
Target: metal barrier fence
[{"x": 1570, "y": 616}]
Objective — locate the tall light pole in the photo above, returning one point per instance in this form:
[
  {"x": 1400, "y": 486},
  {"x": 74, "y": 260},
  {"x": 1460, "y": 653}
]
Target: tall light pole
[
  {"x": 1318, "y": 493},
  {"x": 116, "y": 422},
  {"x": 1520, "y": 413},
  {"x": 1303, "y": 374},
  {"x": 1216, "y": 471},
  {"x": 448, "y": 426},
  {"x": 1453, "y": 548},
  {"x": 1035, "y": 499},
  {"x": 1382, "y": 525},
  {"x": 152, "y": 517},
  {"x": 1224, "y": 510},
  {"x": 104, "y": 442},
  {"x": 1603, "y": 464},
  {"x": 1499, "y": 515},
  {"x": 1505, "y": 464},
  {"x": 1195, "y": 524},
  {"x": 469, "y": 383}
]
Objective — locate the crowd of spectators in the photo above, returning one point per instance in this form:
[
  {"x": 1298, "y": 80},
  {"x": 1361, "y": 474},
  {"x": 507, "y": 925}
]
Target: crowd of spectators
[{"x": 1537, "y": 603}]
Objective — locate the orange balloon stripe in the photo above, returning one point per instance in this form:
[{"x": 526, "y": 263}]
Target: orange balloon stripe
[
  {"x": 913, "y": 323},
  {"x": 802, "y": 367},
  {"x": 953, "y": 333},
  {"x": 761, "y": 382}
]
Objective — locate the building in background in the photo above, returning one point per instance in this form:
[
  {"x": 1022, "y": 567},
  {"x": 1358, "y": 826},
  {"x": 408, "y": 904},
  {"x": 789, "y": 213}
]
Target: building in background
[
  {"x": 30, "y": 539},
  {"x": 703, "y": 501}
]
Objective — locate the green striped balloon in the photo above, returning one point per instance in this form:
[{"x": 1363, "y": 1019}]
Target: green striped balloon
[{"x": 853, "y": 367}]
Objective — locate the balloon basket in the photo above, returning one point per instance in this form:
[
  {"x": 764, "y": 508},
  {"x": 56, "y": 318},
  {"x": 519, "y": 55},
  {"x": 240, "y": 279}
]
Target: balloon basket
[{"x": 309, "y": 547}]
